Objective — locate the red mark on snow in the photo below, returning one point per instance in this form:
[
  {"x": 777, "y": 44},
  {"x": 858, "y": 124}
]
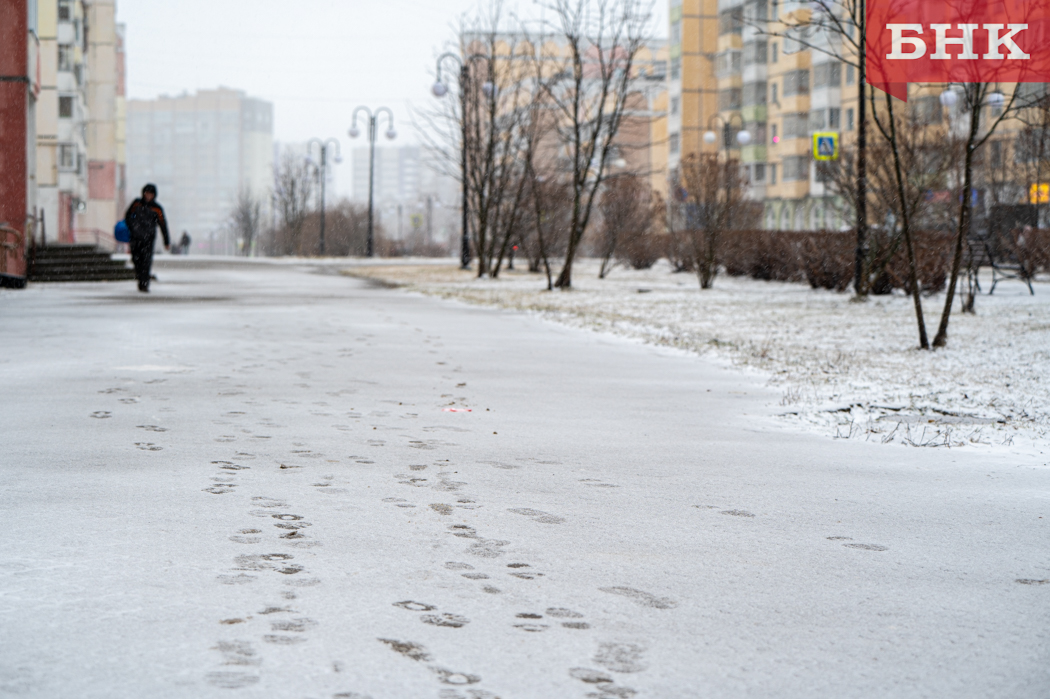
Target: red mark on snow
[{"x": 456, "y": 410}]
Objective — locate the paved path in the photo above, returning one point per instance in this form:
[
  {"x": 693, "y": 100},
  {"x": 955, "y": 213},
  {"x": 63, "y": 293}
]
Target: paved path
[{"x": 248, "y": 484}]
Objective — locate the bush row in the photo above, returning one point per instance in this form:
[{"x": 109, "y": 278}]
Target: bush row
[{"x": 824, "y": 259}]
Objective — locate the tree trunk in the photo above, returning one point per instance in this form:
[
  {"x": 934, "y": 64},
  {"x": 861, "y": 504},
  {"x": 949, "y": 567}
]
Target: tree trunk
[
  {"x": 860, "y": 283},
  {"x": 913, "y": 277},
  {"x": 965, "y": 214}
]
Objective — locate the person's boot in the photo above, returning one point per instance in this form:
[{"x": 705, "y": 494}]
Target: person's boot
[{"x": 144, "y": 288}]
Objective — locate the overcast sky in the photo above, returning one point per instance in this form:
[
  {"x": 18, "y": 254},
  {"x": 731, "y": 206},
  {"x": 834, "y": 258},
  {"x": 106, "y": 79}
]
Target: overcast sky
[{"x": 314, "y": 59}]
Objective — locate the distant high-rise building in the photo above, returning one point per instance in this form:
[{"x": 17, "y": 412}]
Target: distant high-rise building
[
  {"x": 397, "y": 174},
  {"x": 201, "y": 151}
]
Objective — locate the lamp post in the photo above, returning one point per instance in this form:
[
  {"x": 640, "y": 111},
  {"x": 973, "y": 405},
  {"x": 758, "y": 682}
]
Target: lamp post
[
  {"x": 323, "y": 173},
  {"x": 743, "y": 136},
  {"x": 372, "y": 117},
  {"x": 440, "y": 90}
]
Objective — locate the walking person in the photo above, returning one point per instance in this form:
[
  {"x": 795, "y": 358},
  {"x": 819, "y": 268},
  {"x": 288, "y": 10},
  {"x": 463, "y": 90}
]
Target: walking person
[
  {"x": 143, "y": 217},
  {"x": 184, "y": 244}
]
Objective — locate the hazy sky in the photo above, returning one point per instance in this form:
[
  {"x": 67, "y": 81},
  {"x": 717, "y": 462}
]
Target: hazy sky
[{"x": 314, "y": 59}]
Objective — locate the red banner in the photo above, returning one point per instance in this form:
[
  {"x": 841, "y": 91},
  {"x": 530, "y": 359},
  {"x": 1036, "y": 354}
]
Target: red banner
[{"x": 956, "y": 41}]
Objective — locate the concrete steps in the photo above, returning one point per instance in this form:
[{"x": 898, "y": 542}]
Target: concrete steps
[{"x": 77, "y": 263}]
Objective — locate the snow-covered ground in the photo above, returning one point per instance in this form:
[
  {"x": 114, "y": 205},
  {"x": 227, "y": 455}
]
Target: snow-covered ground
[
  {"x": 845, "y": 369},
  {"x": 272, "y": 481}
]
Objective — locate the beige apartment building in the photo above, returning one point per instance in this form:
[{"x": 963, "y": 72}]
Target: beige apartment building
[
  {"x": 731, "y": 73},
  {"x": 641, "y": 145},
  {"x": 79, "y": 121}
]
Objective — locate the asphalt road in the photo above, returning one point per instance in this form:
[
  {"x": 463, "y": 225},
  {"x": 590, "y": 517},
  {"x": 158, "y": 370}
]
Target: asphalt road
[{"x": 275, "y": 481}]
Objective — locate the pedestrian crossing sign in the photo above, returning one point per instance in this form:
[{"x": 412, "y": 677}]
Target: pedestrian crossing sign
[{"x": 826, "y": 146}]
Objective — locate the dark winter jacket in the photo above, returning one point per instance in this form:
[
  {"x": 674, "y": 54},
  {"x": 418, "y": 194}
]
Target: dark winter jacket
[{"x": 143, "y": 218}]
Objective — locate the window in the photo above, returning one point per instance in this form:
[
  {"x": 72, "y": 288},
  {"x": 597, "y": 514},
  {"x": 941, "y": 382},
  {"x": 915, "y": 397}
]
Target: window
[
  {"x": 729, "y": 99},
  {"x": 834, "y": 118},
  {"x": 754, "y": 93},
  {"x": 755, "y": 53},
  {"x": 827, "y": 75},
  {"x": 796, "y": 82},
  {"x": 772, "y": 173},
  {"x": 796, "y": 168},
  {"x": 731, "y": 21},
  {"x": 727, "y": 63},
  {"x": 776, "y": 11},
  {"x": 773, "y": 94},
  {"x": 65, "y": 10},
  {"x": 65, "y": 57},
  {"x": 757, "y": 131},
  {"x": 849, "y": 119},
  {"x": 1030, "y": 146},
  {"x": 756, "y": 11},
  {"x": 997, "y": 153},
  {"x": 773, "y": 54},
  {"x": 673, "y": 143},
  {"x": 65, "y": 107},
  {"x": 851, "y": 74},
  {"x": 675, "y": 104},
  {"x": 676, "y": 68},
  {"x": 773, "y": 134},
  {"x": 760, "y": 172},
  {"x": 796, "y": 126},
  {"x": 928, "y": 109},
  {"x": 67, "y": 156}
]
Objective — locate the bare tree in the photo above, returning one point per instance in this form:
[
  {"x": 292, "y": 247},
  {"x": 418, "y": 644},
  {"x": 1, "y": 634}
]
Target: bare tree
[
  {"x": 716, "y": 194},
  {"x": 293, "y": 190},
  {"x": 626, "y": 212},
  {"x": 836, "y": 28},
  {"x": 976, "y": 99},
  {"x": 889, "y": 126},
  {"x": 246, "y": 220},
  {"x": 483, "y": 130},
  {"x": 589, "y": 93},
  {"x": 550, "y": 198}
]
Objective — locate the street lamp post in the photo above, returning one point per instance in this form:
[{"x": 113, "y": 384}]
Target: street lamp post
[
  {"x": 323, "y": 173},
  {"x": 743, "y": 136},
  {"x": 372, "y": 117},
  {"x": 440, "y": 90}
]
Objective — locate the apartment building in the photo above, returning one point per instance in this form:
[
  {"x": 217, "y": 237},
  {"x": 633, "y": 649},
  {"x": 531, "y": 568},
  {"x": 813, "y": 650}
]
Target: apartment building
[
  {"x": 79, "y": 121},
  {"x": 105, "y": 124},
  {"x": 396, "y": 178},
  {"x": 692, "y": 91},
  {"x": 61, "y": 119},
  {"x": 201, "y": 151},
  {"x": 643, "y": 141},
  {"x": 735, "y": 68}
]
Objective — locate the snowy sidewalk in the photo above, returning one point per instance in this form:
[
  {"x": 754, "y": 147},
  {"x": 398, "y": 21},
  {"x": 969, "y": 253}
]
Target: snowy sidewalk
[{"x": 275, "y": 481}]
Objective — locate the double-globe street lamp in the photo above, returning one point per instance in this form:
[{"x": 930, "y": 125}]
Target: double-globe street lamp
[
  {"x": 372, "y": 117},
  {"x": 322, "y": 170},
  {"x": 743, "y": 136},
  {"x": 440, "y": 90}
]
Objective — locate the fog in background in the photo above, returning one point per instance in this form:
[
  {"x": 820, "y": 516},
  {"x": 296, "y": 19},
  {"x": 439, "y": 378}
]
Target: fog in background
[{"x": 314, "y": 59}]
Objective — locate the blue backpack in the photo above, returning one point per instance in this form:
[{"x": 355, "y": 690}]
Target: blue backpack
[{"x": 121, "y": 232}]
